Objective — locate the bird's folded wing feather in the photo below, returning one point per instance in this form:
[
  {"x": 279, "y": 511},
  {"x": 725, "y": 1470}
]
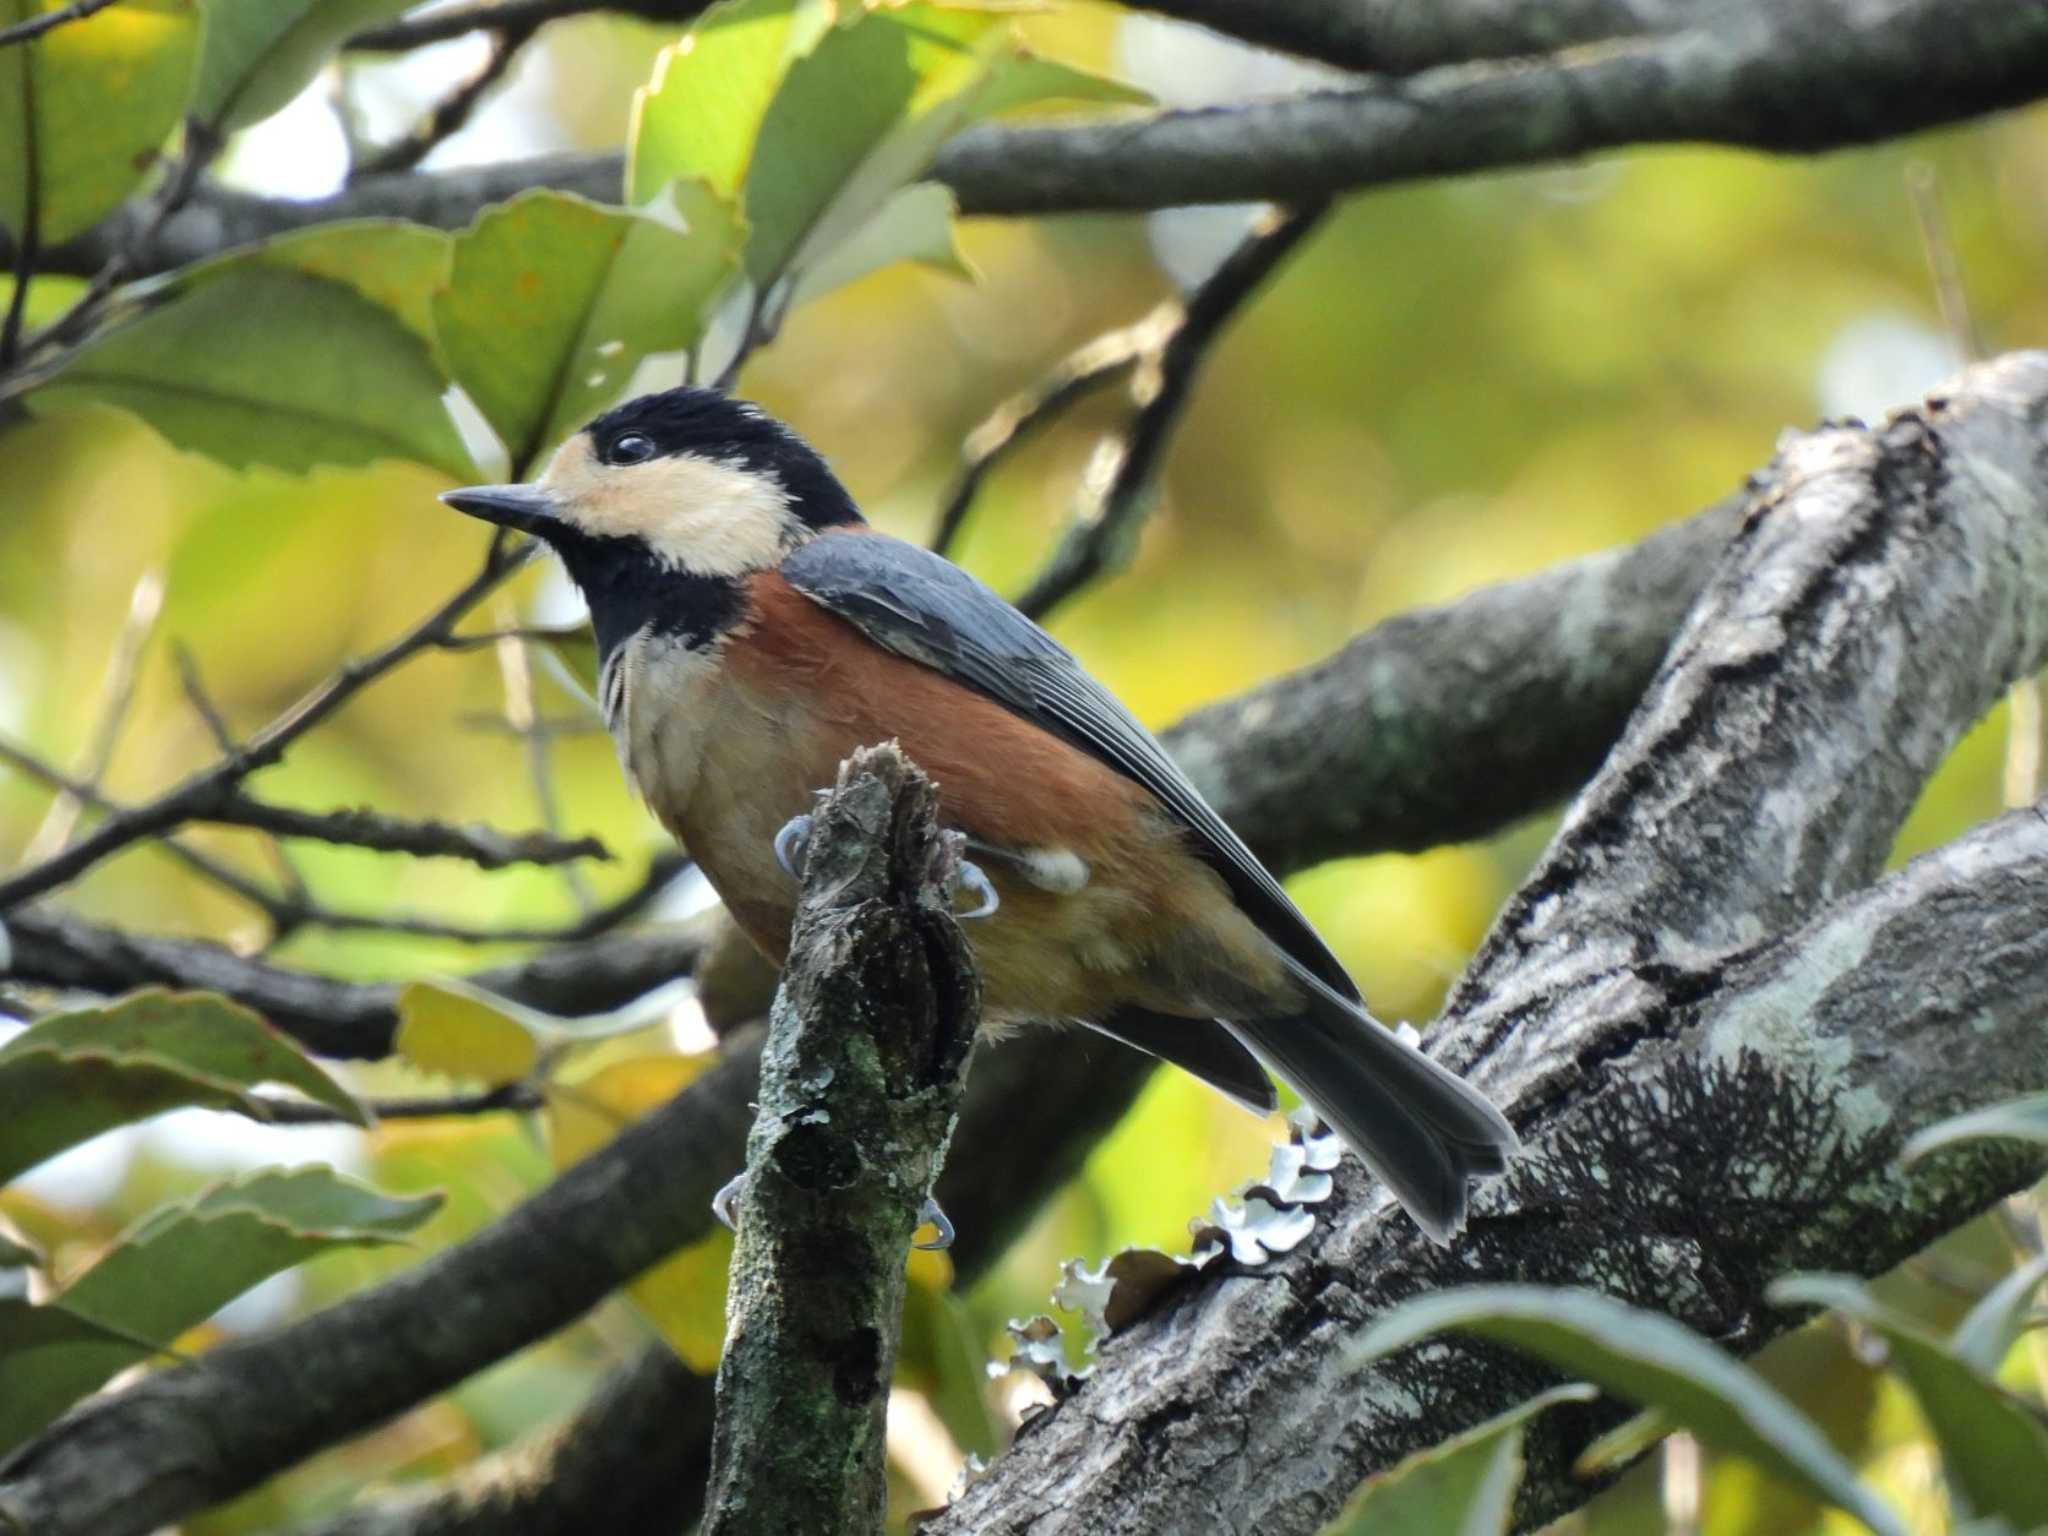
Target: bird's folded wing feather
[{"x": 923, "y": 607}]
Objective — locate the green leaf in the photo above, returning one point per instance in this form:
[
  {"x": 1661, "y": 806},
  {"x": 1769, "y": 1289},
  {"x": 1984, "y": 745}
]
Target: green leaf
[
  {"x": 823, "y": 131},
  {"x": 263, "y": 364},
  {"x": 73, "y": 1075},
  {"x": 85, "y": 109},
  {"x": 1994, "y": 1453},
  {"x": 1982, "y": 1339},
  {"x": 699, "y": 116},
  {"x": 916, "y": 224},
  {"x": 256, "y": 55},
  {"x": 554, "y": 301},
  {"x": 2016, "y": 1119},
  {"x": 1647, "y": 1360},
  {"x": 395, "y": 265},
  {"x": 175, "y": 1269},
  {"x": 1464, "y": 1487}
]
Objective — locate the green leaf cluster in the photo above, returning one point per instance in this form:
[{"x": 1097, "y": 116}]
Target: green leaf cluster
[
  {"x": 74, "y": 1075},
  {"x": 1992, "y": 1443},
  {"x": 773, "y": 158}
]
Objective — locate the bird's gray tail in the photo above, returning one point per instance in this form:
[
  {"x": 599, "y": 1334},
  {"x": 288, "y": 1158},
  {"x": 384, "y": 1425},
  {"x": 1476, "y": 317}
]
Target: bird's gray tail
[{"x": 1424, "y": 1132}]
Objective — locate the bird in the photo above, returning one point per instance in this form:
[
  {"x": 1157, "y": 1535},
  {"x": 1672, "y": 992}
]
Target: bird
[{"x": 753, "y": 630}]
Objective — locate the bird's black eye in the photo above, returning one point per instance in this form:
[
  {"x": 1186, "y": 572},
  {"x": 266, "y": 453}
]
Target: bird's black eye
[{"x": 632, "y": 448}]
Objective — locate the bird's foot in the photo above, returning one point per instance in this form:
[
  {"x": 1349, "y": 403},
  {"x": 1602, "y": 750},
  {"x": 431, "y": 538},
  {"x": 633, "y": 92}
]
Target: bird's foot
[
  {"x": 929, "y": 1215},
  {"x": 969, "y": 880},
  {"x": 792, "y": 844},
  {"x": 722, "y": 1202}
]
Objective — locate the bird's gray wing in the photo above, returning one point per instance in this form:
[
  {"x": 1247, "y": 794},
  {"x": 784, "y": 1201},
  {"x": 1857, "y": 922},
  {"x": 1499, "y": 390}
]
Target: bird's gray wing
[{"x": 922, "y": 606}]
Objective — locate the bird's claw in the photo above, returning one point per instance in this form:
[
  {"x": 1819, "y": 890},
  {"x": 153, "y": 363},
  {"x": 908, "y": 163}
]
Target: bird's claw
[
  {"x": 721, "y": 1203},
  {"x": 792, "y": 844},
  {"x": 930, "y": 1215},
  {"x": 973, "y": 882}
]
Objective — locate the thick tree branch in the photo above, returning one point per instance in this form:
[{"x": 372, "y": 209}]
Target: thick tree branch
[
  {"x": 1631, "y": 1012},
  {"x": 1793, "y": 79},
  {"x": 860, "y": 1089},
  {"x": 1393, "y": 37}
]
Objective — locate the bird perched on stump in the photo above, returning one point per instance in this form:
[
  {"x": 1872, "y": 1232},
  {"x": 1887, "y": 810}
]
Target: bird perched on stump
[{"x": 753, "y": 630}]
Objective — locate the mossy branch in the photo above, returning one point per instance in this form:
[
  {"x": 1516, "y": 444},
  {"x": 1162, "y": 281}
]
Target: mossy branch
[{"x": 860, "y": 1087}]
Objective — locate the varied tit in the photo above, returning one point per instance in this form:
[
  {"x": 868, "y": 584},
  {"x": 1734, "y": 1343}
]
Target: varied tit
[{"x": 753, "y": 630}]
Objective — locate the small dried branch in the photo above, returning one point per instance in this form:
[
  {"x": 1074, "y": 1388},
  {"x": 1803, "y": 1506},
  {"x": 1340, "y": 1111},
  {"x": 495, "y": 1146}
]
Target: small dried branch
[
  {"x": 1119, "y": 483},
  {"x": 359, "y": 827},
  {"x": 36, "y": 26},
  {"x": 453, "y": 112},
  {"x": 217, "y": 786},
  {"x": 459, "y": 21},
  {"x": 117, "y": 697},
  {"x": 518, "y": 1098},
  {"x": 1091, "y": 366}
]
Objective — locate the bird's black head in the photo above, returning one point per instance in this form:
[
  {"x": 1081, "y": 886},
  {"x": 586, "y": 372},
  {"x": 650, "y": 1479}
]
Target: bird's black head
[
  {"x": 691, "y": 479},
  {"x": 664, "y": 506}
]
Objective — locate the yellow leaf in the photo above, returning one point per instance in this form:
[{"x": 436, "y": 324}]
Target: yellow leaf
[
  {"x": 683, "y": 1297},
  {"x": 440, "y": 1030}
]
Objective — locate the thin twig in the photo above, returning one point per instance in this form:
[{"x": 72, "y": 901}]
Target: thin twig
[
  {"x": 520, "y": 1098},
  {"x": 453, "y": 112},
  {"x": 1101, "y": 361},
  {"x": 360, "y": 827},
  {"x": 30, "y": 249},
  {"x": 117, "y": 697},
  {"x": 36, "y": 26},
  {"x": 2022, "y": 784},
  {"x": 459, "y": 21},
  {"x": 522, "y": 714},
  {"x": 223, "y": 735},
  {"x": 1119, "y": 482},
  {"x": 216, "y": 785}
]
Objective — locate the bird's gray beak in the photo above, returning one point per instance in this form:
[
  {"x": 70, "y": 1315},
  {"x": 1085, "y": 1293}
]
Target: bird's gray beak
[{"x": 525, "y": 507}]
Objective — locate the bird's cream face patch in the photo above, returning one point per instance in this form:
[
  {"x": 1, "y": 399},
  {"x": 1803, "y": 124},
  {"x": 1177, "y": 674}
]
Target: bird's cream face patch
[{"x": 694, "y": 513}]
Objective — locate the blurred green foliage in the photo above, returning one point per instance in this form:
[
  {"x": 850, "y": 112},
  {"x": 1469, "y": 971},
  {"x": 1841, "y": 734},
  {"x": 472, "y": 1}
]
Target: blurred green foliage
[{"x": 1451, "y": 385}]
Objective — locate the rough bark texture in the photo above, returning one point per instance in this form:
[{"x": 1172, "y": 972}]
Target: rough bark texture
[
  {"x": 1396, "y": 37},
  {"x": 1791, "y": 78},
  {"x": 1707, "y": 1105},
  {"x": 860, "y": 1088}
]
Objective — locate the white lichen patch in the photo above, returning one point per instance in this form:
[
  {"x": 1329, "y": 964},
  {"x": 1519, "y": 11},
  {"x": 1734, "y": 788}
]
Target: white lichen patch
[{"x": 1776, "y": 1021}]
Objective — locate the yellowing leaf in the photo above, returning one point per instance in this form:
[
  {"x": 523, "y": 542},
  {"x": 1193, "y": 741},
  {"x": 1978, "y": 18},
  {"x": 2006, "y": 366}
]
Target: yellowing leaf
[
  {"x": 460, "y": 1035},
  {"x": 85, "y": 109},
  {"x": 683, "y": 1297}
]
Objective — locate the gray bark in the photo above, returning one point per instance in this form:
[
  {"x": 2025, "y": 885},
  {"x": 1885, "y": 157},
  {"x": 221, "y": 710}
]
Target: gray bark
[
  {"x": 1711, "y": 1096},
  {"x": 1788, "y": 78},
  {"x": 860, "y": 1089}
]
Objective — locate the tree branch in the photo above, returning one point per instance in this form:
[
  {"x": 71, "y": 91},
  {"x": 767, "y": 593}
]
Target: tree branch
[
  {"x": 1391, "y": 37},
  {"x": 35, "y": 26},
  {"x": 860, "y": 1090},
  {"x": 1631, "y": 1013},
  {"x": 1788, "y": 79}
]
